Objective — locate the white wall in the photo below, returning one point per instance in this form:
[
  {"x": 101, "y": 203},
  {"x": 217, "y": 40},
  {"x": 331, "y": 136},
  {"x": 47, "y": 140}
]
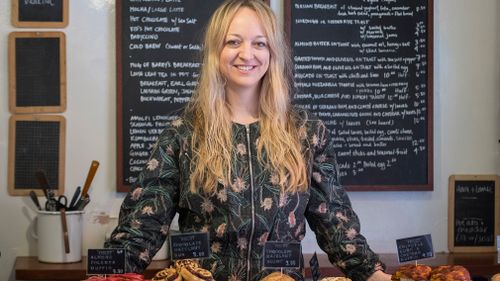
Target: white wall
[{"x": 466, "y": 126}]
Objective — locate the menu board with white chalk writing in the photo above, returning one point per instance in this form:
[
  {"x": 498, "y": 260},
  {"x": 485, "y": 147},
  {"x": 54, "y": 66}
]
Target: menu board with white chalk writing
[
  {"x": 472, "y": 221},
  {"x": 158, "y": 57},
  {"x": 365, "y": 68}
]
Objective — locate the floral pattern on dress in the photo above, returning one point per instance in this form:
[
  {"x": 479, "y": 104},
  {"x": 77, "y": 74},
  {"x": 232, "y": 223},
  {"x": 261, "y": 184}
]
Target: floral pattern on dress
[{"x": 248, "y": 212}]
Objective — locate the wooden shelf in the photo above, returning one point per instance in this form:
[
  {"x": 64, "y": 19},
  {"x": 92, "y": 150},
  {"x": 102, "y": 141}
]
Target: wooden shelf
[{"x": 479, "y": 264}]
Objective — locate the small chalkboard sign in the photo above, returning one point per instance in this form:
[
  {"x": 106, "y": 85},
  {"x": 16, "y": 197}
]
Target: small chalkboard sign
[
  {"x": 282, "y": 254},
  {"x": 37, "y": 72},
  {"x": 314, "y": 263},
  {"x": 473, "y": 208},
  {"x": 189, "y": 246},
  {"x": 105, "y": 261},
  {"x": 415, "y": 248},
  {"x": 40, "y": 13},
  {"x": 36, "y": 142}
]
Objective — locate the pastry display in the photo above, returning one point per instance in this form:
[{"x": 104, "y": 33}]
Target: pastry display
[
  {"x": 167, "y": 274},
  {"x": 412, "y": 272},
  {"x": 421, "y": 272},
  {"x": 179, "y": 264},
  {"x": 196, "y": 274},
  {"x": 450, "y": 273},
  {"x": 277, "y": 276}
]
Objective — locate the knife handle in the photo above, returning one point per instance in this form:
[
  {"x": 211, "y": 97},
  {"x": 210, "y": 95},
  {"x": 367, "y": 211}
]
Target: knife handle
[{"x": 90, "y": 176}]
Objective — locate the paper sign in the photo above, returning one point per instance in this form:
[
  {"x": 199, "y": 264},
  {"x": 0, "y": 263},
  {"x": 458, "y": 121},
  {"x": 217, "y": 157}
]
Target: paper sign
[
  {"x": 105, "y": 261},
  {"x": 415, "y": 248},
  {"x": 189, "y": 246},
  {"x": 282, "y": 254}
]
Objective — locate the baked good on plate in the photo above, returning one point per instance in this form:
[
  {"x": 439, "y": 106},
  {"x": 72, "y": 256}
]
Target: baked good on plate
[
  {"x": 196, "y": 274},
  {"x": 167, "y": 274},
  {"x": 412, "y": 272},
  {"x": 450, "y": 273}
]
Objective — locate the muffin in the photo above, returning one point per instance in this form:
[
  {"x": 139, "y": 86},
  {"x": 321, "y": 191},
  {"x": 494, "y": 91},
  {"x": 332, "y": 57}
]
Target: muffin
[
  {"x": 277, "y": 276},
  {"x": 412, "y": 272}
]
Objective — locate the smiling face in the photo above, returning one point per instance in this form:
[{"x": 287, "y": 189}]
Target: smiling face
[{"x": 244, "y": 58}]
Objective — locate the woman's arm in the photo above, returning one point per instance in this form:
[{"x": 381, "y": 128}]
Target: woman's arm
[
  {"x": 147, "y": 211},
  {"x": 331, "y": 217}
]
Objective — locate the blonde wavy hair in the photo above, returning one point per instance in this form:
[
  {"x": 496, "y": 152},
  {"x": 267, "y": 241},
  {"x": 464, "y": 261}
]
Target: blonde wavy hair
[{"x": 212, "y": 139}]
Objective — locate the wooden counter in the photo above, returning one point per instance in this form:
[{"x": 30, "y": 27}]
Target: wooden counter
[{"x": 29, "y": 268}]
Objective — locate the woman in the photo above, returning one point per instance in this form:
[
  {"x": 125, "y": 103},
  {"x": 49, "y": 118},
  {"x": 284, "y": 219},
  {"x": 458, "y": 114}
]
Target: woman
[{"x": 242, "y": 164}]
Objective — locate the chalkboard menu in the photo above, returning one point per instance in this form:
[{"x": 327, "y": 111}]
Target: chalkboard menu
[
  {"x": 158, "y": 56},
  {"x": 105, "y": 261},
  {"x": 365, "y": 68},
  {"x": 415, "y": 248},
  {"x": 473, "y": 209},
  {"x": 36, "y": 142},
  {"x": 40, "y": 13},
  {"x": 37, "y": 72}
]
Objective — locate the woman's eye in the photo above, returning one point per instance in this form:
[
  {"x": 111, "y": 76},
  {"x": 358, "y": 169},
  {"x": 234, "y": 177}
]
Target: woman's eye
[
  {"x": 261, "y": 44},
  {"x": 232, "y": 42}
]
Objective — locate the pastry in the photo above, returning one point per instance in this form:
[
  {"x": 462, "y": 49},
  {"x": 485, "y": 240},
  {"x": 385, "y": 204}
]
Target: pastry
[
  {"x": 196, "y": 274},
  {"x": 277, "y": 276},
  {"x": 411, "y": 272},
  {"x": 167, "y": 274},
  {"x": 179, "y": 264},
  {"x": 335, "y": 279},
  {"x": 450, "y": 273}
]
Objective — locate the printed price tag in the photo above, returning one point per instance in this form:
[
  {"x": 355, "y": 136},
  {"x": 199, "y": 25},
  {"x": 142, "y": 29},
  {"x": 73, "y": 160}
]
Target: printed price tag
[
  {"x": 415, "y": 248},
  {"x": 105, "y": 261},
  {"x": 282, "y": 254},
  {"x": 189, "y": 246}
]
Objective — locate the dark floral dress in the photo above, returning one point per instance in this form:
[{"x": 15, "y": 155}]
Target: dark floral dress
[{"x": 242, "y": 216}]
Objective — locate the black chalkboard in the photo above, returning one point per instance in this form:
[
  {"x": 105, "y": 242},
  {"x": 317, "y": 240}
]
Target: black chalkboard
[
  {"x": 189, "y": 246},
  {"x": 37, "y": 72},
  {"x": 158, "y": 57},
  {"x": 37, "y": 13},
  {"x": 473, "y": 223},
  {"x": 282, "y": 254},
  {"x": 415, "y": 248},
  {"x": 36, "y": 143},
  {"x": 365, "y": 68},
  {"x": 105, "y": 261}
]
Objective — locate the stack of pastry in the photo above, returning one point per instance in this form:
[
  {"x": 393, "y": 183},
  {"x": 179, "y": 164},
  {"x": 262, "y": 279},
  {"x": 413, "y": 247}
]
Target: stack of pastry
[
  {"x": 188, "y": 270},
  {"x": 422, "y": 272}
]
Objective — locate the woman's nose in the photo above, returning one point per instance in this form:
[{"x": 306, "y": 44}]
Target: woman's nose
[{"x": 246, "y": 51}]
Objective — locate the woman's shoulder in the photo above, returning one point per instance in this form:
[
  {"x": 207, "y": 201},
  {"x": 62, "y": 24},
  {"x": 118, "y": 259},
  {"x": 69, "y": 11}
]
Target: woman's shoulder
[{"x": 177, "y": 127}]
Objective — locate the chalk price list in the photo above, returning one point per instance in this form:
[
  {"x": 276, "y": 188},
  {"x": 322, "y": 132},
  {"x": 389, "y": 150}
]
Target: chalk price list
[{"x": 361, "y": 66}]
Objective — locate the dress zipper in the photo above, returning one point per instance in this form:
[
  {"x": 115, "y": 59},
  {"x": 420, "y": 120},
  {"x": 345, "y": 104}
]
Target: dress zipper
[{"x": 249, "y": 255}]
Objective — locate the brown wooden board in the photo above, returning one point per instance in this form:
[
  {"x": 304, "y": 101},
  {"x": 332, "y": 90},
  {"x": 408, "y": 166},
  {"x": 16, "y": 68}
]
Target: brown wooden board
[
  {"x": 43, "y": 14},
  {"x": 37, "y": 72},
  {"x": 36, "y": 142},
  {"x": 473, "y": 213},
  {"x": 366, "y": 69}
]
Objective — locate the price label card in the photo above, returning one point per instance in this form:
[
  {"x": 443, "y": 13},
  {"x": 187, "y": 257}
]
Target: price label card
[
  {"x": 315, "y": 267},
  {"x": 189, "y": 246},
  {"x": 282, "y": 254},
  {"x": 105, "y": 261},
  {"x": 415, "y": 248}
]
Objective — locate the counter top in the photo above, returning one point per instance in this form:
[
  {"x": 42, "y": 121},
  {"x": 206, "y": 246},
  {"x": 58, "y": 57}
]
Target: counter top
[{"x": 479, "y": 264}]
